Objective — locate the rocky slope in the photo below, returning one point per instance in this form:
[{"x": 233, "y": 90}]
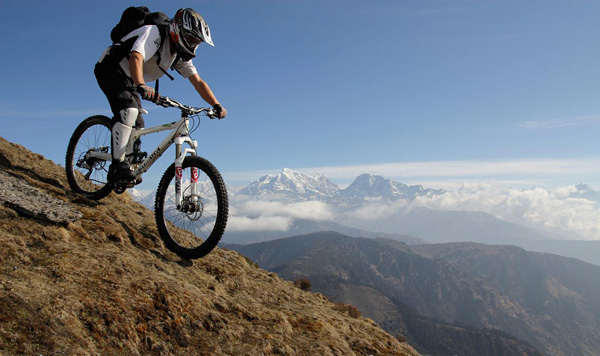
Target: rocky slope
[{"x": 102, "y": 283}]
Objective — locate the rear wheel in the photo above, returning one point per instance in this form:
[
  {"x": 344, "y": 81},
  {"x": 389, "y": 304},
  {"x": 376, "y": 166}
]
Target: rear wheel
[
  {"x": 89, "y": 156},
  {"x": 193, "y": 228}
]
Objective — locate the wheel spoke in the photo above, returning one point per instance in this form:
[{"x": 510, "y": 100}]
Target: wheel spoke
[
  {"x": 88, "y": 175},
  {"x": 195, "y": 228}
]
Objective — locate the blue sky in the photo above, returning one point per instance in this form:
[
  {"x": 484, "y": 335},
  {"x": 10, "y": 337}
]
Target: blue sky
[{"x": 424, "y": 92}]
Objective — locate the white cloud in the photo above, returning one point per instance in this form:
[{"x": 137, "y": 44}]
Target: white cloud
[
  {"x": 313, "y": 210},
  {"x": 261, "y": 223},
  {"x": 374, "y": 211},
  {"x": 560, "y": 123},
  {"x": 560, "y": 209},
  {"x": 258, "y": 215},
  {"x": 500, "y": 188},
  {"x": 533, "y": 207}
]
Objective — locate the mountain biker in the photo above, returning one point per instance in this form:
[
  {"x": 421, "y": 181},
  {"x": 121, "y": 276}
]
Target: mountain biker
[{"x": 143, "y": 56}]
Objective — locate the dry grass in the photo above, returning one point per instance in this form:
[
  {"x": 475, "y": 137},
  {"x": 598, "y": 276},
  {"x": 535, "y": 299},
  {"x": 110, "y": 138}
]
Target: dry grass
[
  {"x": 349, "y": 309},
  {"x": 105, "y": 285}
]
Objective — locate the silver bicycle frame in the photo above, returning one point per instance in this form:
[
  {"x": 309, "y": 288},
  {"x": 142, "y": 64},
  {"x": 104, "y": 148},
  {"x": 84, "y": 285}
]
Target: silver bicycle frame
[{"x": 179, "y": 136}]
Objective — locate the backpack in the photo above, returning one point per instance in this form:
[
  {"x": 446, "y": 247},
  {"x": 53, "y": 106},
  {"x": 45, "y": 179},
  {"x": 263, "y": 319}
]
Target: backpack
[
  {"x": 133, "y": 18},
  {"x": 136, "y": 17}
]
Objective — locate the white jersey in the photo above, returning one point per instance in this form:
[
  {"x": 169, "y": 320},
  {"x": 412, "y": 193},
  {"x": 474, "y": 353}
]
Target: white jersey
[{"x": 147, "y": 44}]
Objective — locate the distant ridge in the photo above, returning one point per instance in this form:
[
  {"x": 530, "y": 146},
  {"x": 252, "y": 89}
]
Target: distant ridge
[
  {"x": 455, "y": 291},
  {"x": 300, "y": 227}
]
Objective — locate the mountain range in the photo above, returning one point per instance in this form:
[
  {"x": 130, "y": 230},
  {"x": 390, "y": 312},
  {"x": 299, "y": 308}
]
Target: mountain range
[
  {"x": 299, "y": 186},
  {"x": 293, "y": 203},
  {"x": 497, "y": 297}
]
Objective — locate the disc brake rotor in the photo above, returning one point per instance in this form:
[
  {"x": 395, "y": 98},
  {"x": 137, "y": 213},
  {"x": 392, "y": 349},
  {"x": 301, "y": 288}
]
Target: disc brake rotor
[{"x": 193, "y": 207}]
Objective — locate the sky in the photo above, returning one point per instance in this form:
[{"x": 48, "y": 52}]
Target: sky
[{"x": 431, "y": 92}]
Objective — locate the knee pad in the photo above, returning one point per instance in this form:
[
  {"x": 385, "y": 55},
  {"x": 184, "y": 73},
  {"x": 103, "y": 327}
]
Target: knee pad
[
  {"x": 120, "y": 138},
  {"x": 128, "y": 116}
]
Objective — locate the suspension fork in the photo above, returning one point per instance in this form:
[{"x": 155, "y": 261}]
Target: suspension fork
[{"x": 180, "y": 155}]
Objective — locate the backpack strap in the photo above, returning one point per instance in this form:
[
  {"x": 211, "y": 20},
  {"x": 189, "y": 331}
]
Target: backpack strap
[
  {"x": 121, "y": 49},
  {"x": 163, "y": 30}
]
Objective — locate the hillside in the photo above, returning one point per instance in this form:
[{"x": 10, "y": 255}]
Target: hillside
[
  {"x": 439, "y": 293},
  {"x": 98, "y": 281}
]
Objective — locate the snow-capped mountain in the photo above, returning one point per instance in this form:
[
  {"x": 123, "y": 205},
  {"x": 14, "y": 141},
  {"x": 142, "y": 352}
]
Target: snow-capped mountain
[
  {"x": 300, "y": 186},
  {"x": 368, "y": 186},
  {"x": 584, "y": 191},
  {"x": 297, "y": 186},
  {"x": 144, "y": 198},
  {"x": 292, "y": 184}
]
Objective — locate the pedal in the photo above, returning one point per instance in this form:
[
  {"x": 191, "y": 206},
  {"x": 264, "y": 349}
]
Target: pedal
[{"x": 121, "y": 185}]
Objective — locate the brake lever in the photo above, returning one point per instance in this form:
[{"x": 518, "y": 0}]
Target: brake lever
[
  {"x": 212, "y": 114},
  {"x": 164, "y": 102}
]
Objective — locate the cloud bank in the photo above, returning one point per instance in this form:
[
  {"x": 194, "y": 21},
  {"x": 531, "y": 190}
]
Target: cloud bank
[
  {"x": 564, "y": 208},
  {"x": 537, "y": 207},
  {"x": 257, "y": 215}
]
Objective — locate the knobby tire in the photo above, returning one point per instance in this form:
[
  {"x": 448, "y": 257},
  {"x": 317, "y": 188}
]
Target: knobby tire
[
  {"x": 192, "y": 234},
  {"x": 91, "y": 134}
]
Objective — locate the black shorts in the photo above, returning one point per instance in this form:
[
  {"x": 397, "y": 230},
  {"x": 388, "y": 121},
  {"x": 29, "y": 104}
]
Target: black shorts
[{"x": 116, "y": 85}]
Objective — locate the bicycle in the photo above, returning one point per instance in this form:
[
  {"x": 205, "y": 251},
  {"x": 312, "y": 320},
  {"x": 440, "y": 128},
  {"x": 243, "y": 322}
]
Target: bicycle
[{"x": 191, "y": 214}]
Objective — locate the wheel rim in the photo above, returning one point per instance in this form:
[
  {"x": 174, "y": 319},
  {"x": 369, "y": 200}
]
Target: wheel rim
[
  {"x": 195, "y": 220},
  {"x": 90, "y": 173}
]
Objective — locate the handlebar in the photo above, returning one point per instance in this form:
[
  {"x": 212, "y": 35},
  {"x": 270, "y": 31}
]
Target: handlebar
[
  {"x": 167, "y": 102},
  {"x": 186, "y": 110}
]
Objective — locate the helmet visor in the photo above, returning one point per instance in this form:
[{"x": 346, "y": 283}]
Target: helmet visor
[{"x": 191, "y": 40}]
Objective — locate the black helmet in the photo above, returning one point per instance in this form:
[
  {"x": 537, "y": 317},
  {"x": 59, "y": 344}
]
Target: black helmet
[{"x": 188, "y": 30}]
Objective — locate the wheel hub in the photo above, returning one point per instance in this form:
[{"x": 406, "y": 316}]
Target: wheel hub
[
  {"x": 192, "y": 205},
  {"x": 90, "y": 163}
]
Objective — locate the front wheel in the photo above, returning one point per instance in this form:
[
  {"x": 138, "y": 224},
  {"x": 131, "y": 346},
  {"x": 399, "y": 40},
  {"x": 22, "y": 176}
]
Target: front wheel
[
  {"x": 193, "y": 227},
  {"x": 89, "y": 156}
]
